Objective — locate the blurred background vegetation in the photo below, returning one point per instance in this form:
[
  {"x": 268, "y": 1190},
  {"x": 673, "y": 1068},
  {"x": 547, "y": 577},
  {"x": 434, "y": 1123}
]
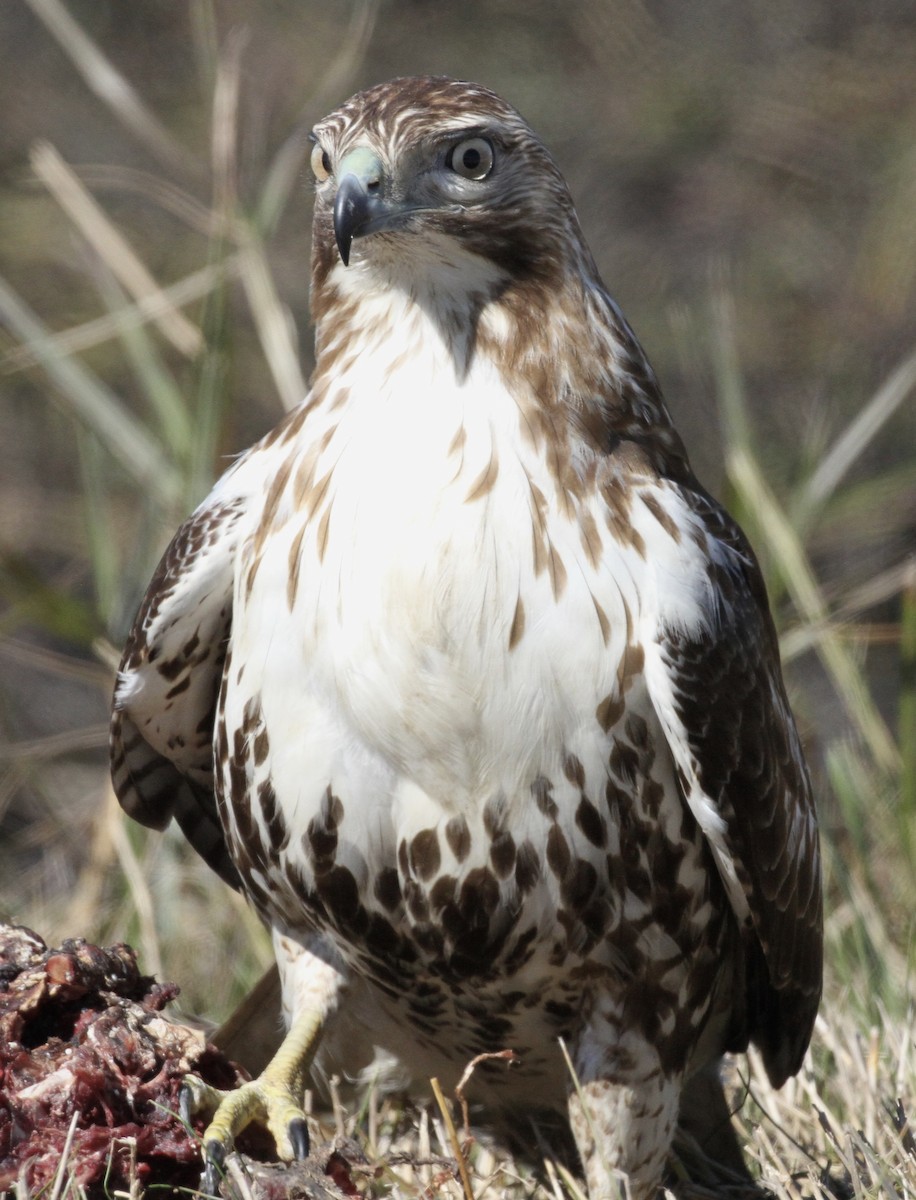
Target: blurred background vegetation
[{"x": 746, "y": 176}]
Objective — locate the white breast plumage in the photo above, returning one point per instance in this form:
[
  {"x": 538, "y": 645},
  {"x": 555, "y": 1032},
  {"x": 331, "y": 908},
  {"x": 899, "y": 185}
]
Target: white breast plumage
[{"x": 410, "y": 574}]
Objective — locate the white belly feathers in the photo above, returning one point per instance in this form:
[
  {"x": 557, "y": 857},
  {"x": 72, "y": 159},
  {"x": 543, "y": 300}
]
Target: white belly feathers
[{"x": 434, "y": 675}]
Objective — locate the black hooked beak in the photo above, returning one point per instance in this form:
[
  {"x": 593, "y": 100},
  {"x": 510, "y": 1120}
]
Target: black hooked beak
[{"x": 358, "y": 199}]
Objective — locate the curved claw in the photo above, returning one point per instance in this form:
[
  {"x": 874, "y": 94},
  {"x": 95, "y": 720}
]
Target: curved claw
[
  {"x": 274, "y": 1100},
  {"x": 214, "y": 1169},
  {"x": 298, "y": 1133},
  {"x": 185, "y": 1104},
  {"x": 197, "y": 1098}
]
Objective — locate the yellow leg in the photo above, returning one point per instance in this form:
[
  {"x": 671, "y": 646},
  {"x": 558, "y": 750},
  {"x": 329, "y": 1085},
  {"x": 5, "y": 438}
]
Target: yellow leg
[{"x": 274, "y": 1100}]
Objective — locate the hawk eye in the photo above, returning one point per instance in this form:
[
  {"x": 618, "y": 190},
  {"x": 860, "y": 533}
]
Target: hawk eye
[
  {"x": 472, "y": 159},
  {"x": 321, "y": 163}
]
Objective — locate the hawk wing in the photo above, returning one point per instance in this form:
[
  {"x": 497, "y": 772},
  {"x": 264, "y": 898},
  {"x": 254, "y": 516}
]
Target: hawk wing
[
  {"x": 161, "y": 739},
  {"x": 720, "y": 697}
]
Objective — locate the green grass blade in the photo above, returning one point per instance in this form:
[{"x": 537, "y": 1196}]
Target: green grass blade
[{"x": 275, "y": 328}]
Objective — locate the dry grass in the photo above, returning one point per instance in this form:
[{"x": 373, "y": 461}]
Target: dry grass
[
  {"x": 70, "y": 863},
  {"x": 841, "y": 1128}
]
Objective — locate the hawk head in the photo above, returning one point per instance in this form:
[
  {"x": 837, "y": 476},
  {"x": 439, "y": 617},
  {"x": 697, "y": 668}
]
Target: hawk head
[
  {"x": 443, "y": 172},
  {"x": 440, "y": 191}
]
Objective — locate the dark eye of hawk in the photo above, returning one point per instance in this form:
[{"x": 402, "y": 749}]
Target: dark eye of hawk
[
  {"x": 472, "y": 158},
  {"x": 321, "y": 163}
]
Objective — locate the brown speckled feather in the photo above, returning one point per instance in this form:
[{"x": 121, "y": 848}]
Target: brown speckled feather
[
  {"x": 161, "y": 740},
  {"x": 731, "y": 701}
]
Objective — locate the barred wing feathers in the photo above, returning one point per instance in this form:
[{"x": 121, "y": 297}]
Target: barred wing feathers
[
  {"x": 161, "y": 740},
  {"x": 721, "y": 699}
]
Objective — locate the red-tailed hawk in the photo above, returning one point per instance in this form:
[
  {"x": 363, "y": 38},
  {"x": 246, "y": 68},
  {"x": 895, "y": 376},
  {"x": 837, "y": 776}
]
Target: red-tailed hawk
[{"x": 469, "y": 685}]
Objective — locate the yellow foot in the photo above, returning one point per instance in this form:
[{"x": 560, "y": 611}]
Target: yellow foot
[{"x": 273, "y": 1100}]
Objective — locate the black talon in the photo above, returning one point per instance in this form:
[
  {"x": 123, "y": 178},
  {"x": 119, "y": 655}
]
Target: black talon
[
  {"x": 298, "y": 1131},
  {"x": 215, "y": 1159},
  {"x": 185, "y": 1103}
]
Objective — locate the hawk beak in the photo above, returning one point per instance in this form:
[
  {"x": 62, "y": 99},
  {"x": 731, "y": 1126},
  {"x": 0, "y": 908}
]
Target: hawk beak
[{"x": 358, "y": 200}]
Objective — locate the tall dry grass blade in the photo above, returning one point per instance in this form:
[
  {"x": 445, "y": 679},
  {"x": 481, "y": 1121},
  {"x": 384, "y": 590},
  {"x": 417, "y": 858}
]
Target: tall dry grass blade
[
  {"x": 224, "y": 134},
  {"x": 553, "y": 1179},
  {"x": 799, "y": 578},
  {"x": 876, "y": 590},
  {"x": 111, "y": 246},
  {"x": 54, "y": 745},
  {"x": 155, "y": 189},
  {"x": 87, "y": 398},
  {"x": 857, "y": 634},
  {"x": 61, "y": 1172},
  {"x": 576, "y": 1192},
  {"x": 242, "y": 1187},
  {"x": 857, "y": 436},
  {"x": 783, "y": 542},
  {"x": 272, "y": 321},
  {"x": 150, "y": 370},
  {"x": 54, "y": 663},
  {"x": 107, "y": 82},
  {"x": 453, "y": 1142},
  {"x": 128, "y": 316}
]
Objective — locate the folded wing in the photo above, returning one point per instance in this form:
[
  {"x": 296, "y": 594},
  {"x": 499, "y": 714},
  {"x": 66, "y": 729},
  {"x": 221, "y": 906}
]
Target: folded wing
[
  {"x": 161, "y": 739},
  {"x": 721, "y": 700}
]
